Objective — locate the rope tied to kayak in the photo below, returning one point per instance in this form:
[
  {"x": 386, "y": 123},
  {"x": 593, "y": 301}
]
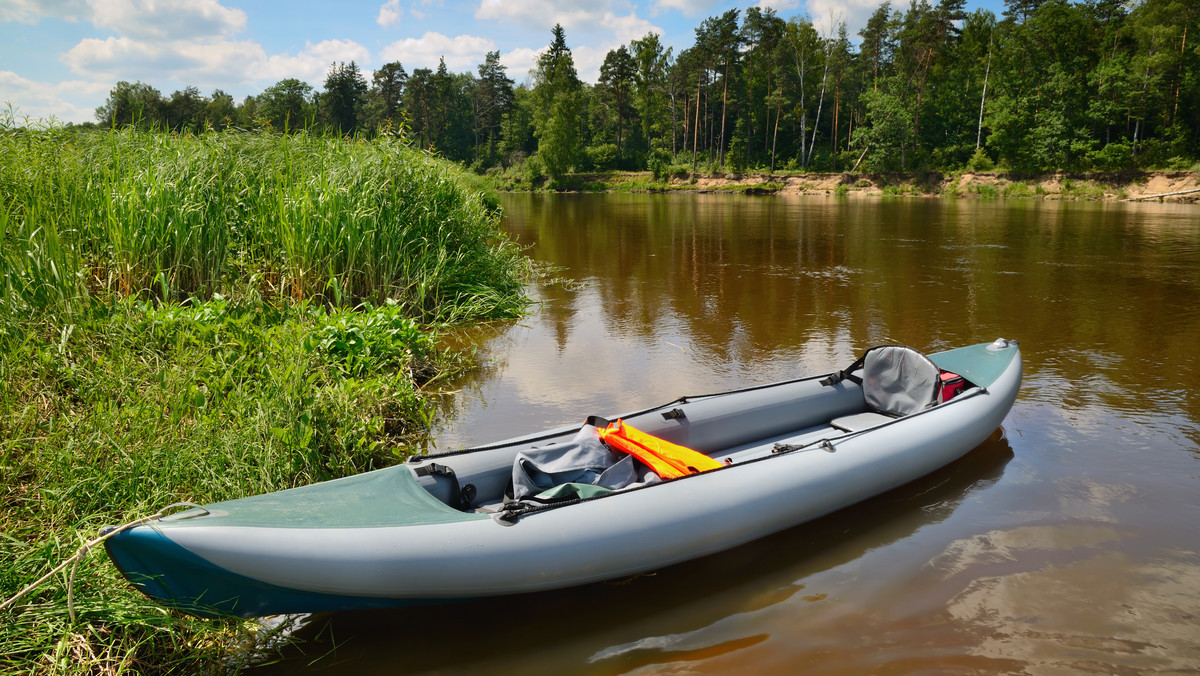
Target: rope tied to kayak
[{"x": 81, "y": 553}]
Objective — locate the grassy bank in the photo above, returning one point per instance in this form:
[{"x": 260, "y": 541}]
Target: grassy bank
[{"x": 202, "y": 318}]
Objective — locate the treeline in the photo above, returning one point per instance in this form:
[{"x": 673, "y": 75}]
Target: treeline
[{"x": 1053, "y": 84}]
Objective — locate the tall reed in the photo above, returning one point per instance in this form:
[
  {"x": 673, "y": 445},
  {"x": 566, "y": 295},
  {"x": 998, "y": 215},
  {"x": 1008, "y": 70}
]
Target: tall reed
[{"x": 168, "y": 216}]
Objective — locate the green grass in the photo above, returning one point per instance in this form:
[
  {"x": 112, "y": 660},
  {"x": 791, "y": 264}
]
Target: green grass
[
  {"x": 983, "y": 191},
  {"x": 171, "y": 217},
  {"x": 1082, "y": 190},
  {"x": 1018, "y": 190},
  {"x": 200, "y": 319}
]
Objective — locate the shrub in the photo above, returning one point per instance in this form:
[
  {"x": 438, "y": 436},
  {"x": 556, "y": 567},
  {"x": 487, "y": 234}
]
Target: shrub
[
  {"x": 980, "y": 161},
  {"x": 1113, "y": 156},
  {"x": 659, "y": 164},
  {"x": 534, "y": 169},
  {"x": 602, "y": 157}
]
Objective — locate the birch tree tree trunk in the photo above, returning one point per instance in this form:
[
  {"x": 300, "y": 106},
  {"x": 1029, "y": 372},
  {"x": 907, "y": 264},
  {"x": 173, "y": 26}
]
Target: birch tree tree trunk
[
  {"x": 820, "y": 103},
  {"x": 800, "y": 57},
  {"x": 724, "y": 105},
  {"x": 986, "y": 73},
  {"x": 775, "y": 138},
  {"x": 696, "y": 127}
]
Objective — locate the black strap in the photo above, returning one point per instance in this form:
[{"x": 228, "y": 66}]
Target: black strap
[
  {"x": 674, "y": 414},
  {"x": 845, "y": 374},
  {"x": 460, "y": 496},
  {"x": 597, "y": 422}
]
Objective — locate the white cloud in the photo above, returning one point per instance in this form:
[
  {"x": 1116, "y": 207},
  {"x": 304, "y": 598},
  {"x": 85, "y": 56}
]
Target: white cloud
[
  {"x": 312, "y": 64},
  {"x": 32, "y": 11},
  {"x": 688, "y": 7},
  {"x": 195, "y": 62},
  {"x": 389, "y": 13},
  {"x": 208, "y": 63},
  {"x": 72, "y": 101},
  {"x": 520, "y": 61},
  {"x": 628, "y": 28},
  {"x": 780, "y": 6},
  {"x": 167, "y": 19},
  {"x": 827, "y": 13},
  {"x": 593, "y": 28},
  {"x": 542, "y": 14},
  {"x": 588, "y": 61},
  {"x": 462, "y": 53}
]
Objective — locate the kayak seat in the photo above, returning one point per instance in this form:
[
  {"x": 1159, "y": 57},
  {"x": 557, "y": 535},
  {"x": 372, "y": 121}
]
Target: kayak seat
[{"x": 895, "y": 381}]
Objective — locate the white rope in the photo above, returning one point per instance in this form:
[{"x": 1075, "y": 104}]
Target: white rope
[{"x": 82, "y": 552}]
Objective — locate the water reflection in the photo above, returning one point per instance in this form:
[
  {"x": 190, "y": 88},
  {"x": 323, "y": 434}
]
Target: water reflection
[{"x": 679, "y": 294}]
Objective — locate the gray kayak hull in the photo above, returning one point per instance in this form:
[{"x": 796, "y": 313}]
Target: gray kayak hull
[{"x": 257, "y": 568}]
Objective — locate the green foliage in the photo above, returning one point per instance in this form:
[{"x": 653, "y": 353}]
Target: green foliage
[
  {"x": 287, "y": 105},
  {"x": 1113, "y": 156},
  {"x": 617, "y": 75},
  {"x": 133, "y": 406},
  {"x": 131, "y": 104},
  {"x": 534, "y": 170},
  {"x": 659, "y": 164},
  {"x": 173, "y": 217},
  {"x": 373, "y": 340},
  {"x": 1085, "y": 190},
  {"x": 980, "y": 161},
  {"x": 983, "y": 191},
  {"x": 1051, "y": 85},
  {"x": 180, "y": 319},
  {"x": 493, "y": 95},
  {"x": 1018, "y": 190},
  {"x": 342, "y": 102},
  {"x": 556, "y": 115},
  {"x": 602, "y": 157},
  {"x": 558, "y": 138},
  {"x": 737, "y": 158},
  {"x": 383, "y": 100}
]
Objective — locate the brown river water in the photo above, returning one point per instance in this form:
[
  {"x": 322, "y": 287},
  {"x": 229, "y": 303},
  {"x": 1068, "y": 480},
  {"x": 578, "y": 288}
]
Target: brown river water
[{"x": 1069, "y": 542}]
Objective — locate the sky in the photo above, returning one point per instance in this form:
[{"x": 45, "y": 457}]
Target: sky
[{"x": 61, "y": 58}]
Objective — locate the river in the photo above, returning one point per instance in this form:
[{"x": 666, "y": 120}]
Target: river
[{"x": 1068, "y": 542}]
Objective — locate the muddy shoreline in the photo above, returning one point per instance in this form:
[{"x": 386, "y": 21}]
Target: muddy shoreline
[{"x": 1095, "y": 186}]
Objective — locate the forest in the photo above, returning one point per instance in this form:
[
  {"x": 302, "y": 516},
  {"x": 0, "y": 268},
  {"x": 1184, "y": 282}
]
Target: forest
[{"x": 1090, "y": 85}]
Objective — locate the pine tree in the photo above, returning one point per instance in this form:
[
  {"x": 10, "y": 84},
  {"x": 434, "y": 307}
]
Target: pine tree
[
  {"x": 342, "y": 101},
  {"x": 556, "y": 118}
]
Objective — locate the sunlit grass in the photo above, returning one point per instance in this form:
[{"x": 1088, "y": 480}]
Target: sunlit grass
[
  {"x": 171, "y": 217},
  {"x": 201, "y": 318}
]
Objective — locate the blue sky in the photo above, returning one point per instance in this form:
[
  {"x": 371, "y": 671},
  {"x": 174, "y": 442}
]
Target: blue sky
[{"x": 61, "y": 57}]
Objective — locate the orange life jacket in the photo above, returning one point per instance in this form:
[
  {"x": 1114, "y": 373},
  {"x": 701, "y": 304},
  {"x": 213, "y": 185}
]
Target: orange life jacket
[{"x": 668, "y": 460}]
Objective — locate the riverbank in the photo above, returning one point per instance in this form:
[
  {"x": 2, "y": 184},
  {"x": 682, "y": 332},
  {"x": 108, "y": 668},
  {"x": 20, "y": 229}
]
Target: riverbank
[
  {"x": 201, "y": 318},
  {"x": 1094, "y": 186}
]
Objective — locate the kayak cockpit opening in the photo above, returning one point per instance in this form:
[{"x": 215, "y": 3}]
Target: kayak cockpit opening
[{"x": 691, "y": 435}]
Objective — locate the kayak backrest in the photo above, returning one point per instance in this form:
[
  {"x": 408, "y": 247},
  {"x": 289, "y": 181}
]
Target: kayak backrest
[{"x": 898, "y": 380}]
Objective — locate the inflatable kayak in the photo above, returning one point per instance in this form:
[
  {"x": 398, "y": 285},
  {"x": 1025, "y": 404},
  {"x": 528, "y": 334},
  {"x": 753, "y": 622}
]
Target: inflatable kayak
[{"x": 602, "y": 500}]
